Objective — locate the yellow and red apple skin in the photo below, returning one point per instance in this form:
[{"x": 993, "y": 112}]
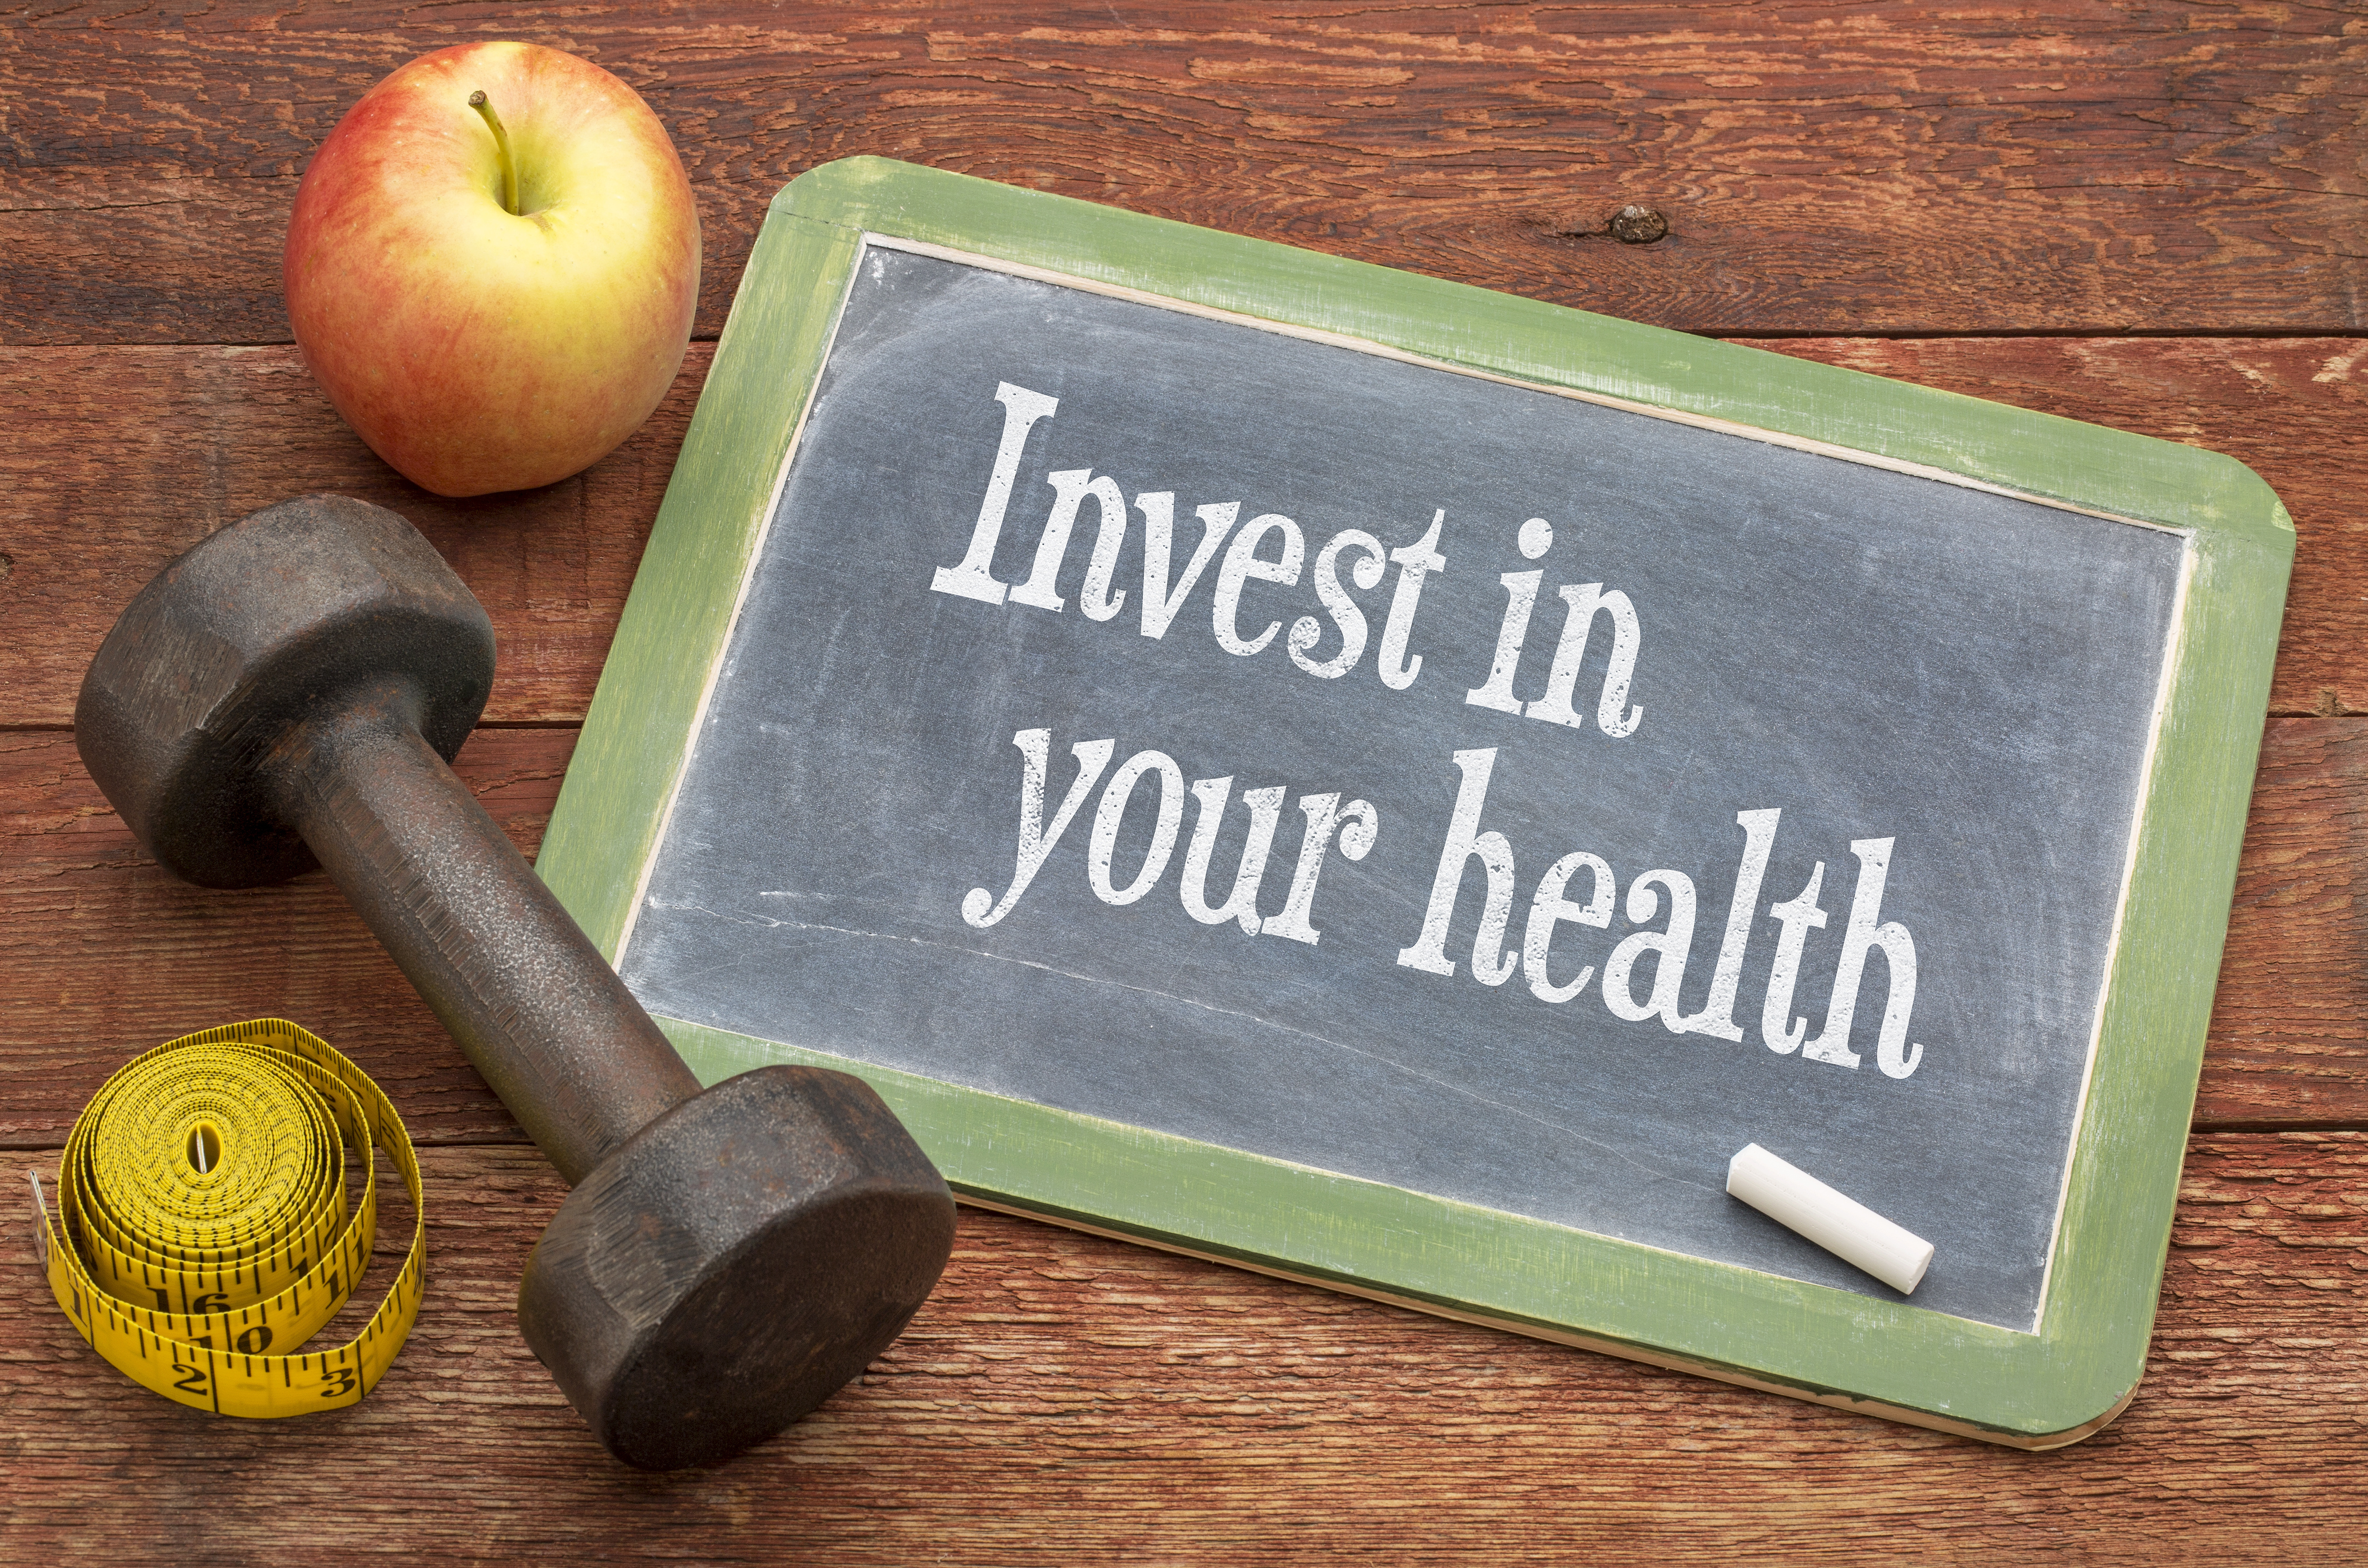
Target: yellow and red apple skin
[{"x": 476, "y": 350}]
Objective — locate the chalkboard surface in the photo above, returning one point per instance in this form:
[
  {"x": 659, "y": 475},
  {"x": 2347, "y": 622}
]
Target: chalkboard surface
[
  {"x": 1852, "y": 654},
  {"x": 1397, "y": 785}
]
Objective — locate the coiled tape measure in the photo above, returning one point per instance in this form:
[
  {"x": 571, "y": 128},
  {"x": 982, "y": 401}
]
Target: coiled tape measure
[{"x": 206, "y": 1182}]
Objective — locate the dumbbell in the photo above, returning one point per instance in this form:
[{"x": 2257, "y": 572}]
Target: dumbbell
[{"x": 287, "y": 693}]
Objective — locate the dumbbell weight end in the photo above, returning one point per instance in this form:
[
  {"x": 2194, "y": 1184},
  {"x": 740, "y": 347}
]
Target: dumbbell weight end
[{"x": 727, "y": 1260}]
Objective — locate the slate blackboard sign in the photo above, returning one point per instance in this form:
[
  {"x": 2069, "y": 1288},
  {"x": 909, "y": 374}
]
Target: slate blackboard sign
[{"x": 1394, "y": 784}]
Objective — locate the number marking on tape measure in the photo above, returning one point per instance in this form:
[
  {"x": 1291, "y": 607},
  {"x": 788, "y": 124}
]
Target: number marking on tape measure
[{"x": 202, "y": 1220}]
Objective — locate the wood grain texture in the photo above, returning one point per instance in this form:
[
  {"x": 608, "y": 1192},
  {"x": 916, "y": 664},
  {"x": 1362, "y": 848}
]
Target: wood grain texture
[
  {"x": 1828, "y": 168},
  {"x": 118, "y": 458},
  {"x": 2289, "y": 1040},
  {"x": 108, "y": 955},
  {"x": 1065, "y": 1398},
  {"x": 1824, "y": 166}
]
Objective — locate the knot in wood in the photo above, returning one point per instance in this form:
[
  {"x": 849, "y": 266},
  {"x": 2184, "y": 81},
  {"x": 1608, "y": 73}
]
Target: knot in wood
[{"x": 1636, "y": 225}]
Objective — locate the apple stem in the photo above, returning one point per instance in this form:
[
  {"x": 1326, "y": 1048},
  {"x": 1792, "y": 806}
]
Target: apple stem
[{"x": 501, "y": 146}]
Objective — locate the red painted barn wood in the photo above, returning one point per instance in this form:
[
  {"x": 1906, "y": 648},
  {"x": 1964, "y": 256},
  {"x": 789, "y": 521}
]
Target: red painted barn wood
[
  {"x": 1888, "y": 168},
  {"x": 1066, "y": 1398},
  {"x": 2149, "y": 216}
]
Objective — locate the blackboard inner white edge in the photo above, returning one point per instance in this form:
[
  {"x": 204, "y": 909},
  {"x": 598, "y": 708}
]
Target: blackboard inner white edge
[{"x": 739, "y": 601}]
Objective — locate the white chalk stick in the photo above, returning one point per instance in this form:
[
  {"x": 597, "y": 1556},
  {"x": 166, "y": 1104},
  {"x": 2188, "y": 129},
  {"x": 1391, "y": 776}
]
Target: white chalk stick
[{"x": 1851, "y": 1231}]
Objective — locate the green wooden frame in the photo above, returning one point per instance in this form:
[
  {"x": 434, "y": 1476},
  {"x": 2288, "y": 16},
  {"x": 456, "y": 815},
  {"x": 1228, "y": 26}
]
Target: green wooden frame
[{"x": 2035, "y": 1390}]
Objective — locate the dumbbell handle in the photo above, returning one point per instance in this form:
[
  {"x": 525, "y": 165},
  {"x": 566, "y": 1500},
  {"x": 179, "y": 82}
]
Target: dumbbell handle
[{"x": 539, "y": 1013}]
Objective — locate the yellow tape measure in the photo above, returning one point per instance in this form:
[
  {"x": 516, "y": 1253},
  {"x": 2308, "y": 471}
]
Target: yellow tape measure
[{"x": 206, "y": 1183}]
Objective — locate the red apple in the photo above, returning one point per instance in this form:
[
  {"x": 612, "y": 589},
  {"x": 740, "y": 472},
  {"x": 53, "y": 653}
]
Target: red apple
[{"x": 480, "y": 344}]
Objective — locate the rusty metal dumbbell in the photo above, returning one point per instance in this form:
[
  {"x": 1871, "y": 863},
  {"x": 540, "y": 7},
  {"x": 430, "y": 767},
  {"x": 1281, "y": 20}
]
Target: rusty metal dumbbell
[{"x": 289, "y": 691}]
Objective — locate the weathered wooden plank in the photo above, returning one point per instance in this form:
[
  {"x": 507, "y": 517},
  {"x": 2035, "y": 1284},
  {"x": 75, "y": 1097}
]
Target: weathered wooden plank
[
  {"x": 106, "y": 955},
  {"x": 118, "y": 459},
  {"x": 1826, "y": 166},
  {"x": 2289, "y": 1039},
  {"x": 1061, "y": 1395}
]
